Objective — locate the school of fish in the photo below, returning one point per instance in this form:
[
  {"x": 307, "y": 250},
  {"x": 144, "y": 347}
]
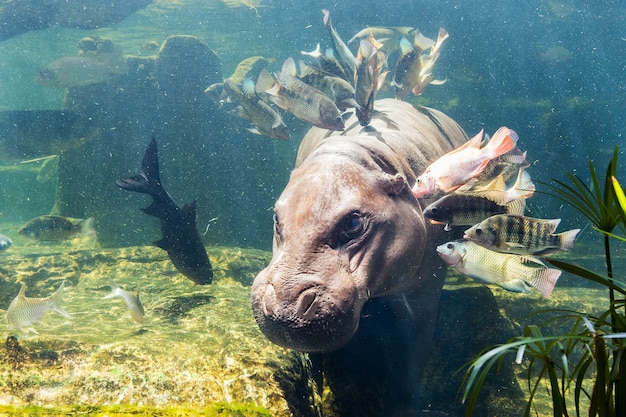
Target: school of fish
[
  {"x": 503, "y": 246},
  {"x": 338, "y": 80}
]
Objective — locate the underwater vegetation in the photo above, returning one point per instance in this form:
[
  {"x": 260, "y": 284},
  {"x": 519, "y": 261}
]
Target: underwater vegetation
[{"x": 586, "y": 367}]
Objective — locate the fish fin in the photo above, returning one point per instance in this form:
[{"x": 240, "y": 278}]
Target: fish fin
[
  {"x": 544, "y": 280},
  {"x": 472, "y": 143},
  {"x": 163, "y": 244},
  {"x": 406, "y": 47},
  {"x": 88, "y": 228},
  {"x": 326, "y": 19},
  {"x": 422, "y": 42},
  {"x": 255, "y": 131},
  {"x": 148, "y": 181},
  {"x": 502, "y": 141},
  {"x": 316, "y": 53},
  {"x": 516, "y": 207},
  {"x": 566, "y": 239},
  {"x": 512, "y": 245},
  {"x": 266, "y": 83},
  {"x": 523, "y": 187},
  {"x": 289, "y": 67},
  {"x": 189, "y": 213},
  {"x": 552, "y": 224},
  {"x": 439, "y": 82},
  {"x": 114, "y": 291},
  {"x": 57, "y": 299},
  {"x": 247, "y": 88},
  {"x": 447, "y": 227},
  {"x": 29, "y": 329}
]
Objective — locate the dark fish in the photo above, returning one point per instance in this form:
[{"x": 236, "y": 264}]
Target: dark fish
[
  {"x": 265, "y": 119},
  {"x": 24, "y": 311},
  {"x": 468, "y": 209},
  {"x": 50, "y": 228},
  {"x": 5, "y": 243},
  {"x": 303, "y": 101},
  {"x": 512, "y": 272},
  {"x": 521, "y": 235},
  {"x": 28, "y": 134},
  {"x": 180, "y": 238},
  {"x": 368, "y": 78}
]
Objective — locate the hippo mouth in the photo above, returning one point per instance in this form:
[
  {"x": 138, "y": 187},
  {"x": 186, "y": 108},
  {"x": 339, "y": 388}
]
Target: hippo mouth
[{"x": 310, "y": 318}]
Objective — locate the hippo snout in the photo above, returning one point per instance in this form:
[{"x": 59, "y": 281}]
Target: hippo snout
[{"x": 305, "y": 313}]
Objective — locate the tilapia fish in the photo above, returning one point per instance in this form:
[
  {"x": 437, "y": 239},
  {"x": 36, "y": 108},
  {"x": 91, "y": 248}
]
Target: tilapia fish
[
  {"x": 368, "y": 78},
  {"x": 512, "y": 272},
  {"x": 521, "y": 235},
  {"x": 76, "y": 71},
  {"x": 460, "y": 209},
  {"x": 295, "y": 96},
  {"x": 265, "y": 119},
  {"x": 131, "y": 300},
  {"x": 342, "y": 52},
  {"x": 458, "y": 167},
  {"x": 23, "y": 311},
  {"x": 51, "y": 228}
]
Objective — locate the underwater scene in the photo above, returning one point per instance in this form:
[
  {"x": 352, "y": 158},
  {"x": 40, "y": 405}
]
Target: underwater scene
[{"x": 303, "y": 208}]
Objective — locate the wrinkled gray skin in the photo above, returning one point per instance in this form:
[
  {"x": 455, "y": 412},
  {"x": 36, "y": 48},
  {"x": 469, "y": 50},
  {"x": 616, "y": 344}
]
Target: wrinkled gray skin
[{"x": 348, "y": 229}]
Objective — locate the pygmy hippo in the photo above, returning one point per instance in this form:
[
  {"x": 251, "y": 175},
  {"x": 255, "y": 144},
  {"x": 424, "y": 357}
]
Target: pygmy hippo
[{"x": 347, "y": 229}]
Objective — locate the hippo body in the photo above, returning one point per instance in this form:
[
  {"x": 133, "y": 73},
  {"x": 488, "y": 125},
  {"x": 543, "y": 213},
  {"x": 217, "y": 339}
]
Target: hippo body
[{"x": 348, "y": 230}]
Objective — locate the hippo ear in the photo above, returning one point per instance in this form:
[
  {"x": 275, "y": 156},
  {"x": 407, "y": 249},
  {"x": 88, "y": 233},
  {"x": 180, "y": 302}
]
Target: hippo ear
[{"x": 392, "y": 184}]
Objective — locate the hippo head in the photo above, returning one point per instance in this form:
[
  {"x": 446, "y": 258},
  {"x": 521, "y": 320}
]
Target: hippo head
[{"x": 346, "y": 229}]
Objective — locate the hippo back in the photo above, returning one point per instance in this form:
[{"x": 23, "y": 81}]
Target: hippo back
[{"x": 420, "y": 134}]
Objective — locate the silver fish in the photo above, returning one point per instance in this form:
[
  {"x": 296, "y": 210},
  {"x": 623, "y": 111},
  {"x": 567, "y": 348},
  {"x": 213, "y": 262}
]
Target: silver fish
[
  {"x": 24, "y": 312},
  {"x": 342, "y": 52},
  {"x": 5, "y": 243},
  {"x": 265, "y": 119},
  {"x": 50, "y": 227},
  {"x": 389, "y": 36},
  {"x": 512, "y": 272},
  {"x": 303, "y": 101},
  {"x": 521, "y": 235},
  {"x": 427, "y": 64},
  {"x": 131, "y": 300},
  {"x": 86, "y": 69}
]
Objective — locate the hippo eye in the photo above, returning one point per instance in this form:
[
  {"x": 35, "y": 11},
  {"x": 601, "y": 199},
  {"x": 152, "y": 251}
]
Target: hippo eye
[{"x": 353, "y": 226}]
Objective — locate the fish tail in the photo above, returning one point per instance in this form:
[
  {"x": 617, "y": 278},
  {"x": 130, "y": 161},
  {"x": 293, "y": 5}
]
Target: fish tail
[
  {"x": 57, "y": 299},
  {"x": 88, "y": 228},
  {"x": 326, "y": 17},
  {"x": 516, "y": 207},
  {"x": 502, "y": 141},
  {"x": 566, "y": 239},
  {"x": 523, "y": 187},
  {"x": 114, "y": 291},
  {"x": 545, "y": 280},
  {"x": 148, "y": 181},
  {"x": 266, "y": 83}
]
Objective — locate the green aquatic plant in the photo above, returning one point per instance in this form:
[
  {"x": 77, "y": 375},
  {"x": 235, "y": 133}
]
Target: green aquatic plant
[{"x": 589, "y": 362}]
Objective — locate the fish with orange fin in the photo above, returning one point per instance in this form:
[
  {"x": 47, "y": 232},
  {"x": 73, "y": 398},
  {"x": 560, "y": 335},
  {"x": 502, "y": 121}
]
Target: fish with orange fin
[{"x": 460, "y": 166}]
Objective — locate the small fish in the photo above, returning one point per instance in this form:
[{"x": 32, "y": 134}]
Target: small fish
[
  {"x": 495, "y": 190},
  {"x": 460, "y": 209},
  {"x": 336, "y": 88},
  {"x": 409, "y": 65},
  {"x": 51, "y": 227},
  {"x": 180, "y": 238},
  {"x": 458, "y": 167},
  {"x": 23, "y": 312},
  {"x": 512, "y": 272},
  {"x": 521, "y": 235},
  {"x": 303, "y": 101},
  {"x": 389, "y": 36},
  {"x": 86, "y": 69},
  {"x": 342, "y": 52},
  {"x": 265, "y": 119},
  {"x": 131, "y": 300},
  {"x": 5, "y": 242},
  {"x": 368, "y": 78},
  {"x": 328, "y": 63},
  {"x": 427, "y": 64}
]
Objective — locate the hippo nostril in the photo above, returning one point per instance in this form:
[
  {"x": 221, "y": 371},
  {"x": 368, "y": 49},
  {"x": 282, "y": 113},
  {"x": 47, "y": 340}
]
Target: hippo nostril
[{"x": 307, "y": 305}]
